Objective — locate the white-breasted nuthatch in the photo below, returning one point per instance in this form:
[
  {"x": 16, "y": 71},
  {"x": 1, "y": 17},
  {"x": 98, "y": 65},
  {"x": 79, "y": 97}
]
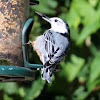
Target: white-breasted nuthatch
[{"x": 53, "y": 45}]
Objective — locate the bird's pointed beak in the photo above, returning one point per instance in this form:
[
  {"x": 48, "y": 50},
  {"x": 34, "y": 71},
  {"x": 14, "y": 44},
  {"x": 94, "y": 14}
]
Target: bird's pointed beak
[{"x": 43, "y": 16}]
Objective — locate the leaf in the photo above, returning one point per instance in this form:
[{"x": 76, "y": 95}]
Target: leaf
[
  {"x": 10, "y": 88},
  {"x": 60, "y": 98},
  {"x": 74, "y": 34},
  {"x": 93, "y": 49},
  {"x": 6, "y": 97},
  {"x": 92, "y": 85},
  {"x": 72, "y": 18},
  {"x": 88, "y": 30},
  {"x": 1, "y": 86},
  {"x": 93, "y": 2},
  {"x": 73, "y": 68},
  {"x": 46, "y": 7},
  {"x": 90, "y": 19},
  {"x": 95, "y": 68},
  {"x": 94, "y": 73},
  {"x": 22, "y": 92},
  {"x": 80, "y": 94},
  {"x": 36, "y": 89}
]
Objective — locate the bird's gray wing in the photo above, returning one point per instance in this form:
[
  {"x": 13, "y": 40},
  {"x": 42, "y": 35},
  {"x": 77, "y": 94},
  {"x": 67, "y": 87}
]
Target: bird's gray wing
[{"x": 53, "y": 51}]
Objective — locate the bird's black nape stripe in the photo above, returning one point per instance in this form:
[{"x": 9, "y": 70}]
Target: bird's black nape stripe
[
  {"x": 65, "y": 35},
  {"x": 68, "y": 30}
]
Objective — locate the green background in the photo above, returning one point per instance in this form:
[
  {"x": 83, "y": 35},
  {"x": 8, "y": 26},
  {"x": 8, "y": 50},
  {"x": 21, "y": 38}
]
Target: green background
[{"x": 79, "y": 76}]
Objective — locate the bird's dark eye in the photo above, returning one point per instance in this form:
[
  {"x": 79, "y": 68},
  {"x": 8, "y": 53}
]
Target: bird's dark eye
[{"x": 56, "y": 20}]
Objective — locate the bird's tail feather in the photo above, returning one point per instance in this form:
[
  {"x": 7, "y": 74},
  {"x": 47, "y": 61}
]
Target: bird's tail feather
[{"x": 47, "y": 74}]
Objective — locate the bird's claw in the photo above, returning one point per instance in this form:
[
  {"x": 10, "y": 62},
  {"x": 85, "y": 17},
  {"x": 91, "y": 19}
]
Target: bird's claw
[{"x": 29, "y": 42}]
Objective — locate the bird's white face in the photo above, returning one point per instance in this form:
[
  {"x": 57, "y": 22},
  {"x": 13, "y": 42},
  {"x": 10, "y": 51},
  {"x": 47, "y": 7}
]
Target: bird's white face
[{"x": 57, "y": 24}]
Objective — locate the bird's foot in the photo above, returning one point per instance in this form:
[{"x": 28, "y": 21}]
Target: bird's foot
[{"x": 29, "y": 42}]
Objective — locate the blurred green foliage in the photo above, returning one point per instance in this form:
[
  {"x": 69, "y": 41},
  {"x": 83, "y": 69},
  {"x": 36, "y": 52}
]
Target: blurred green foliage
[{"x": 79, "y": 77}]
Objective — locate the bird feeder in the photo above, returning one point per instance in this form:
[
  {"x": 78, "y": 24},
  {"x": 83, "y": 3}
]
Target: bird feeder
[{"x": 15, "y": 27}]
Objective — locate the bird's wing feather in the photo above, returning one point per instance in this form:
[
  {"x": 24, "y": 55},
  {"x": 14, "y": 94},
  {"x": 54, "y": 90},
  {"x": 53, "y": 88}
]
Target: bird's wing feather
[{"x": 53, "y": 51}]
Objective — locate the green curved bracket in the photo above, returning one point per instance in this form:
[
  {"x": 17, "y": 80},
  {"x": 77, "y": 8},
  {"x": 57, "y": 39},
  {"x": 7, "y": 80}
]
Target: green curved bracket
[{"x": 25, "y": 38}]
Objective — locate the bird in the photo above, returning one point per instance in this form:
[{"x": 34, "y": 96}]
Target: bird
[{"x": 52, "y": 46}]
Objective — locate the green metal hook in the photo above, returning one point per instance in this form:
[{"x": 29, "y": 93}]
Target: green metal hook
[{"x": 25, "y": 38}]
